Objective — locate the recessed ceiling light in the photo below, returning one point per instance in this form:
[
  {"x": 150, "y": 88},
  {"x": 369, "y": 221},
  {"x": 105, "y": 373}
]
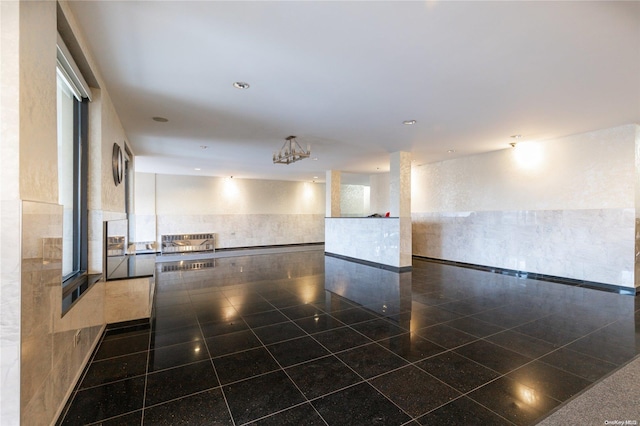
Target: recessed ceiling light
[
  {"x": 160, "y": 119},
  {"x": 409, "y": 122},
  {"x": 516, "y": 136},
  {"x": 241, "y": 85},
  {"x": 315, "y": 177},
  {"x": 197, "y": 169},
  {"x": 451, "y": 151}
]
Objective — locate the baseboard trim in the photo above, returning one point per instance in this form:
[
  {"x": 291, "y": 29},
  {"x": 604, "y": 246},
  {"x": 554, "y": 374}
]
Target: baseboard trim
[
  {"x": 610, "y": 288},
  {"x": 398, "y": 269}
]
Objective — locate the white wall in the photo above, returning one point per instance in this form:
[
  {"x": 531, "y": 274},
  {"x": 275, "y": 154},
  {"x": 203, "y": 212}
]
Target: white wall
[
  {"x": 241, "y": 212},
  {"x": 566, "y": 207},
  {"x": 145, "y": 207},
  {"x": 589, "y": 171}
]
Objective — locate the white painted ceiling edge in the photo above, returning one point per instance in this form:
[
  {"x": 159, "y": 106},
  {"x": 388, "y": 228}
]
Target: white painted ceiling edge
[{"x": 343, "y": 76}]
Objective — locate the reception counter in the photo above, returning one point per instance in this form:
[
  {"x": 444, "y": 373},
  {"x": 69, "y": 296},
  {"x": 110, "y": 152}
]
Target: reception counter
[{"x": 370, "y": 239}]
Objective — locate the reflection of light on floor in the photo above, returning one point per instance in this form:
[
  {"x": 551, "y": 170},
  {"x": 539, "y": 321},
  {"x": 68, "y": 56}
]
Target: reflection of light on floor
[
  {"x": 229, "y": 313},
  {"x": 307, "y": 292},
  {"x": 197, "y": 349},
  {"x": 528, "y": 395}
]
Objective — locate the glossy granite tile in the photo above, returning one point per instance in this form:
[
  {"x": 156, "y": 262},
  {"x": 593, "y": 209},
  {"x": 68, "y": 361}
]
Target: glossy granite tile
[
  {"x": 457, "y": 371},
  {"x": 371, "y": 360},
  {"x": 233, "y": 342},
  {"x": 514, "y": 401},
  {"x": 296, "y": 351},
  {"x": 359, "y": 405},
  {"x": 579, "y": 364},
  {"x": 549, "y": 380},
  {"x": 378, "y": 329},
  {"x": 300, "y": 311},
  {"x": 446, "y": 336},
  {"x": 322, "y": 376},
  {"x": 123, "y": 346},
  {"x": 176, "y": 355},
  {"x": 114, "y": 369},
  {"x": 353, "y": 315},
  {"x": 492, "y": 356},
  {"x": 463, "y": 411},
  {"x": 133, "y": 418},
  {"x": 106, "y": 401},
  {"x": 287, "y": 342},
  {"x": 414, "y": 390},
  {"x": 205, "y": 408},
  {"x": 411, "y": 347},
  {"x": 474, "y": 326},
  {"x": 318, "y": 323},
  {"x": 243, "y": 365},
  {"x": 191, "y": 333},
  {"x": 260, "y": 396},
  {"x": 180, "y": 381},
  {"x": 217, "y": 328},
  {"x": 278, "y": 332},
  {"x": 303, "y": 414},
  {"x": 522, "y": 343},
  {"x": 262, "y": 319}
]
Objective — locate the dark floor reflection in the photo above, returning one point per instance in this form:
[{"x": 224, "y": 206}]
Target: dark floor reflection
[{"x": 300, "y": 338}]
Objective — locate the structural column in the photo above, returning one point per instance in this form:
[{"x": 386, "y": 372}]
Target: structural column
[
  {"x": 400, "y": 201},
  {"x": 333, "y": 194}
]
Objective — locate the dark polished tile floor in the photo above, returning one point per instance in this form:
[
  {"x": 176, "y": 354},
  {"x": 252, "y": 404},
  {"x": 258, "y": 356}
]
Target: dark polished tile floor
[{"x": 304, "y": 339}]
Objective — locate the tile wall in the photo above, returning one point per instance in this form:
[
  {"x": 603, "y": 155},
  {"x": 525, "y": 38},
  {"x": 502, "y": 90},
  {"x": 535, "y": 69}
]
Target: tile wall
[
  {"x": 371, "y": 239},
  {"x": 245, "y": 230},
  {"x": 591, "y": 244},
  {"x": 10, "y": 259},
  {"x": 50, "y": 360}
]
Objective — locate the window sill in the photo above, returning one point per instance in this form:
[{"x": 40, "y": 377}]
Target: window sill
[{"x": 75, "y": 287}]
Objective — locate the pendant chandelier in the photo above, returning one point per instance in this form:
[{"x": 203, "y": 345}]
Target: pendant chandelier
[{"x": 290, "y": 152}]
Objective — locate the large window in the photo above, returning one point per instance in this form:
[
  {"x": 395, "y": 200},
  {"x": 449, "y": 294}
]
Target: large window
[{"x": 72, "y": 112}]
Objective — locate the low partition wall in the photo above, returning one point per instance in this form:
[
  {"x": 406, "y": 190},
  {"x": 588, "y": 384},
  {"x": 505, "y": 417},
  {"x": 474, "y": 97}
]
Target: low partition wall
[
  {"x": 374, "y": 240},
  {"x": 596, "y": 245}
]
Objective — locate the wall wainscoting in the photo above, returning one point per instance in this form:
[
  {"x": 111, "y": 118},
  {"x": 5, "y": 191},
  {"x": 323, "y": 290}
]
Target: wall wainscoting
[
  {"x": 247, "y": 230},
  {"x": 592, "y": 245}
]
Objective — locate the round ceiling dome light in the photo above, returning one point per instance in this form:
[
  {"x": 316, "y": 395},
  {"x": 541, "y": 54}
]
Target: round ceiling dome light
[
  {"x": 160, "y": 119},
  {"x": 241, "y": 85},
  {"x": 409, "y": 122}
]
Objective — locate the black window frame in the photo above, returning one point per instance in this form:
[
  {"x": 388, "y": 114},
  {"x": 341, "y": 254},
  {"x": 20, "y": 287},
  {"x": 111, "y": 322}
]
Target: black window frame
[{"x": 80, "y": 191}]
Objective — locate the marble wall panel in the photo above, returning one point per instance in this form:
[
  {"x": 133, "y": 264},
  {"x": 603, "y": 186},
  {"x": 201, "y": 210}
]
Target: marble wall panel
[
  {"x": 371, "y": 239},
  {"x": 127, "y": 300},
  {"x": 10, "y": 310},
  {"x": 50, "y": 361},
  {"x": 247, "y": 230},
  {"x": 593, "y": 245}
]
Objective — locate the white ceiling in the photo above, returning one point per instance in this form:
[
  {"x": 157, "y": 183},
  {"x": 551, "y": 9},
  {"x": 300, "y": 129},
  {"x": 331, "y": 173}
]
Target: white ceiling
[{"x": 342, "y": 76}]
